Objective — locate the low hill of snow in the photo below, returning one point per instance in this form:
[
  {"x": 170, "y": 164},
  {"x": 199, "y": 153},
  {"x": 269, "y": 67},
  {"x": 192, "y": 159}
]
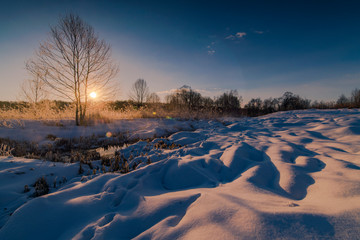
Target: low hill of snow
[{"x": 288, "y": 175}]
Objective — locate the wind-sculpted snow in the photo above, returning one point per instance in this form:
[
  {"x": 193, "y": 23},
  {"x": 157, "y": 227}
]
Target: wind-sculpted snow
[{"x": 288, "y": 175}]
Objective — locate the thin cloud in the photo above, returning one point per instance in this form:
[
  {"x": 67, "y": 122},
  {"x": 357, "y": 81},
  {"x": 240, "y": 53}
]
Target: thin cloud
[
  {"x": 240, "y": 34},
  {"x": 230, "y": 37},
  {"x": 210, "y": 48},
  {"x": 205, "y": 92},
  {"x": 166, "y": 91},
  {"x": 259, "y": 32},
  {"x": 211, "y": 52}
]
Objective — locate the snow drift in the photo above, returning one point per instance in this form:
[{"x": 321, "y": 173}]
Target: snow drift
[{"x": 287, "y": 175}]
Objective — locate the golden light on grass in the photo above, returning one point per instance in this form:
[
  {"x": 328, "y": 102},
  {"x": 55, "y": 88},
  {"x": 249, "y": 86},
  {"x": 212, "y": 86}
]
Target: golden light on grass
[{"x": 93, "y": 95}]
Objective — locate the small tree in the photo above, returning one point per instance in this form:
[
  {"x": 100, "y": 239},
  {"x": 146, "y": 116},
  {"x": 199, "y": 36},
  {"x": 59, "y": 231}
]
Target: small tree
[
  {"x": 290, "y": 101},
  {"x": 355, "y": 97},
  {"x": 270, "y": 105},
  {"x": 254, "y": 106},
  {"x": 174, "y": 100},
  {"x": 343, "y": 101},
  {"x": 153, "y": 98},
  {"x": 229, "y": 101},
  {"x": 139, "y": 91},
  {"x": 33, "y": 89},
  {"x": 190, "y": 98},
  {"x": 207, "y": 103},
  {"x": 185, "y": 98}
]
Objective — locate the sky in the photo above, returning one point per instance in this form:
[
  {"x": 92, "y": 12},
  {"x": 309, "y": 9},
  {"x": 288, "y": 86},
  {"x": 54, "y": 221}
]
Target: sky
[{"x": 260, "y": 48}]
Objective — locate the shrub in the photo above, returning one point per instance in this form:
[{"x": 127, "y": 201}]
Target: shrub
[
  {"x": 51, "y": 137},
  {"x": 41, "y": 187},
  {"x": 26, "y": 189},
  {"x": 81, "y": 170},
  {"x": 5, "y": 150}
]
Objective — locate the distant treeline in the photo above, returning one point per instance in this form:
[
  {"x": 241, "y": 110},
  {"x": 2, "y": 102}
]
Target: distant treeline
[{"x": 229, "y": 103}]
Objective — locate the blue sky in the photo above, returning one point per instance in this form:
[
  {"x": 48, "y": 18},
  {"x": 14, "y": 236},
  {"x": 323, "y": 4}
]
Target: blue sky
[{"x": 262, "y": 48}]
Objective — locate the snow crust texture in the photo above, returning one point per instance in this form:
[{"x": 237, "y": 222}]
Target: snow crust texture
[{"x": 288, "y": 175}]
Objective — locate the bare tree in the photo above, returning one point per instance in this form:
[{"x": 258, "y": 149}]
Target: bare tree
[
  {"x": 290, "y": 101},
  {"x": 139, "y": 91},
  {"x": 153, "y": 98},
  {"x": 33, "y": 88},
  {"x": 75, "y": 62},
  {"x": 229, "y": 101},
  {"x": 355, "y": 97},
  {"x": 343, "y": 101},
  {"x": 185, "y": 98}
]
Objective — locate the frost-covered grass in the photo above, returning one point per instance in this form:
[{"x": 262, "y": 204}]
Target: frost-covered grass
[{"x": 288, "y": 175}]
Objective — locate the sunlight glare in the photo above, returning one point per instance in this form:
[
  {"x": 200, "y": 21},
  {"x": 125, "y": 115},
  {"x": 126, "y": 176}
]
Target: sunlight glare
[{"x": 93, "y": 95}]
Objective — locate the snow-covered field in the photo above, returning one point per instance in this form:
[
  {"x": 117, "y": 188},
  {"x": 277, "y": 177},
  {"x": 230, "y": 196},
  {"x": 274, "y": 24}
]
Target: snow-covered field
[{"x": 288, "y": 175}]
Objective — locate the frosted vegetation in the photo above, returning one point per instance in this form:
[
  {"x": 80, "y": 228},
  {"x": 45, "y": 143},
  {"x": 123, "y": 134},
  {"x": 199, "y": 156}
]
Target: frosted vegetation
[{"x": 286, "y": 175}]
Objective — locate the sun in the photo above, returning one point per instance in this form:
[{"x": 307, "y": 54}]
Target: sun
[{"x": 93, "y": 95}]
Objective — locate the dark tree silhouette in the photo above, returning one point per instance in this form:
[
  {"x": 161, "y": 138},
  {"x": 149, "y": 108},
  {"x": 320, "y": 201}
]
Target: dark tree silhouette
[
  {"x": 229, "y": 101},
  {"x": 153, "y": 98},
  {"x": 139, "y": 91},
  {"x": 355, "y": 97},
  {"x": 343, "y": 101}
]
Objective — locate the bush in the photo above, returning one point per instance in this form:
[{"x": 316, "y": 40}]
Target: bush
[
  {"x": 26, "y": 189},
  {"x": 5, "y": 150},
  {"x": 41, "y": 187}
]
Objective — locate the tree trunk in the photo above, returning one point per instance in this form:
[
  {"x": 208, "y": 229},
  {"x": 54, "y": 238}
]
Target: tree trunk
[
  {"x": 84, "y": 108},
  {"x": 77, "y": 122}
]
